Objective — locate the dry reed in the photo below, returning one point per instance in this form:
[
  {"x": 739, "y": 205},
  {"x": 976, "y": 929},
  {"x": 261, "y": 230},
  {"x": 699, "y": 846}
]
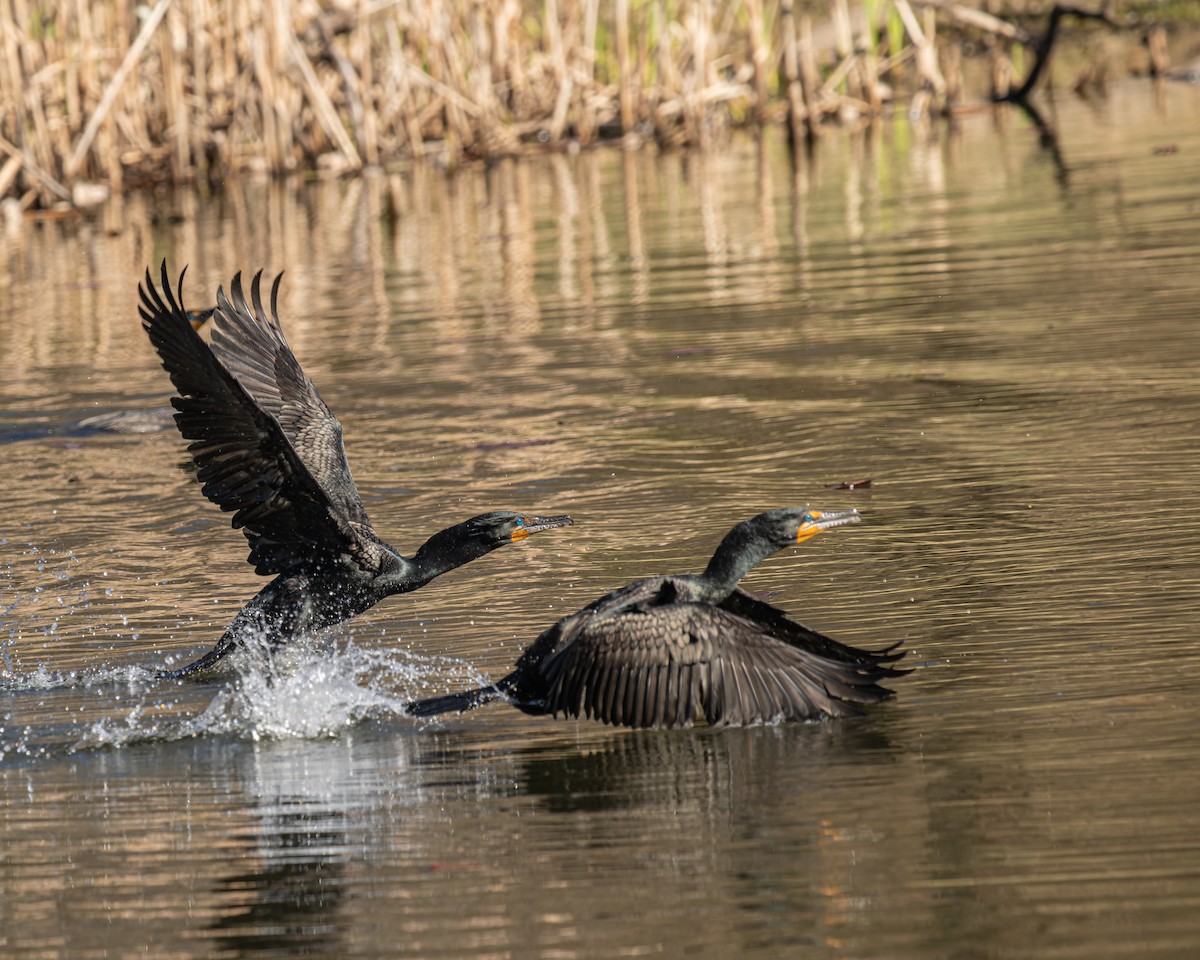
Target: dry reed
[{"x": 96, "y": 96}]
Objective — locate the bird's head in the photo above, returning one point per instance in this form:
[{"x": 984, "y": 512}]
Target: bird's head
[
  {"x": 790, "y": 526},
  {"x": 480, "y": 535},
  {"x": 753, "y": 540},
  {"x": 499, "y": 527}
]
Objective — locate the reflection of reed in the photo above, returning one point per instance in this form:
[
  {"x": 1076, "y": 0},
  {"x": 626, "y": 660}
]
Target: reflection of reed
[
  {"x": 624, "y": 229},
  {"x": 511, "y": 253}
]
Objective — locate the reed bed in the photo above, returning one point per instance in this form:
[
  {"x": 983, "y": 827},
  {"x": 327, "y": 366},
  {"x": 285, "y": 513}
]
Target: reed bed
[{"x": 97, "y": 95}]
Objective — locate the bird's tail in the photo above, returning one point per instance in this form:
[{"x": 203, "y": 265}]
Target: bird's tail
[{"x": 454, "y": 702}]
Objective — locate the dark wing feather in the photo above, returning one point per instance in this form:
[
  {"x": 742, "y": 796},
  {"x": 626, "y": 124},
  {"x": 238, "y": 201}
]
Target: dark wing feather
[
  {"x": 243, "y": 458},
  {"x": 630, "y": 660},
  {"x": 252, "y": 347}
]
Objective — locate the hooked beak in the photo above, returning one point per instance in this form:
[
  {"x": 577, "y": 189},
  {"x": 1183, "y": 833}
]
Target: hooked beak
[
  {"x": 818, "y": 521},
  {"x": 537, "y": 524}
]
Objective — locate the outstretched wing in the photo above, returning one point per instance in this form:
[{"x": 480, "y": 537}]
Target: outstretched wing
[
  {"x": 659, "y": 662},
  {"x": 251, "y": 346},
  {"x": 245, "y": 460}
]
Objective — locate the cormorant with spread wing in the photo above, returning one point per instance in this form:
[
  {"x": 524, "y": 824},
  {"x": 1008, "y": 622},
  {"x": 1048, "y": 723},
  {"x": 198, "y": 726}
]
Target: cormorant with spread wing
[
  {"x": 268, "y": 450},
  {"x": 661, "y": 652}
]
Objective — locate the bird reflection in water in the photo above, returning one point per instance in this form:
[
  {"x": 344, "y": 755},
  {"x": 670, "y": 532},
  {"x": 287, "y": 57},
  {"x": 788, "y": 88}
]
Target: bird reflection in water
[{"x": 291, "y": 888}]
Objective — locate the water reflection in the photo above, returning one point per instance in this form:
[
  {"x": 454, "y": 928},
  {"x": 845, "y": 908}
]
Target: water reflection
[
  {"x": 291, "y": 859},
  {"x": 287, "y": 902},
  {"x": 596, "y": 843},
  {"x": 600, "y": 264},
  {"x": 659, "y": 346},
  {"x": 709, "y": 775}
]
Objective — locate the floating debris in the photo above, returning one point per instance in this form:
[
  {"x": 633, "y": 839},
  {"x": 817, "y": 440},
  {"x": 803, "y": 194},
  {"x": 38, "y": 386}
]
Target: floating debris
[{"x": 849, "y": 485}]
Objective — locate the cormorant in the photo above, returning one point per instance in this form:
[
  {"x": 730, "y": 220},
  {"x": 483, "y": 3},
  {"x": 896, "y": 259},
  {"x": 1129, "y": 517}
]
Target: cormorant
[
  {"x": 268, "y": 449},
  {"x": 660, "y": 652}
]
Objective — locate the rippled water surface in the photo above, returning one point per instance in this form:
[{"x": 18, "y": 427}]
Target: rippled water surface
[{"x": 1004, "y": 340}]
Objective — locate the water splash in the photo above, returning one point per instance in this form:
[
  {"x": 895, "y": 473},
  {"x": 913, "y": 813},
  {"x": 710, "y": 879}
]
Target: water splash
[
  {"x": 43, "y": 678},
  {"x": 305, "y": 696},
  {"x": 319, "y": 698},
  {"x": 309, "y": 690}
]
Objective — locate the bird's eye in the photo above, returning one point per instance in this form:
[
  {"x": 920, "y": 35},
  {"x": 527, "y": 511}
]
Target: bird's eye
[
  {"x": 807, "y": 518},
  {"x": 520, "y": 521}
]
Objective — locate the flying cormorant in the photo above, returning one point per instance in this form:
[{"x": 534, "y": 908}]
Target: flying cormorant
[
  {"x": 662, "y": 651},
  {"x": 268, "y": 450}
]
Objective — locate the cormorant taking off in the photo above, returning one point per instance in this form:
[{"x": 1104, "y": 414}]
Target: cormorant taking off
[
  {"x": 268, "y": 450},
  {"x": 659, "y": 652}
]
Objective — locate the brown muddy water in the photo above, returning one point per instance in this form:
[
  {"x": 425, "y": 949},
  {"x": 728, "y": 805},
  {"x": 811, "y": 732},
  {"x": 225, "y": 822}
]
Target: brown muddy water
[{"x": 1004, "y": 341}]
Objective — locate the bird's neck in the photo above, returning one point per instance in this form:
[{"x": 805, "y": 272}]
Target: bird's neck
[
  {"x": 736, "y": 556},
  {"x": 443, "y": 552}
]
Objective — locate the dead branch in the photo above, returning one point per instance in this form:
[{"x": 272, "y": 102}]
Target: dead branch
[{"x": 1046, "y": 44}]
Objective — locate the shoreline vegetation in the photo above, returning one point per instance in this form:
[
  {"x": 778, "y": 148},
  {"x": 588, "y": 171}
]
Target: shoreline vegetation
[{"x": 96, "y": 98}]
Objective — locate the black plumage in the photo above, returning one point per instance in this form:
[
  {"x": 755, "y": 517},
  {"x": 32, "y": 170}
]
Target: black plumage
[
  {"x": 664, "y": 651},
  {"x": 269, "y": 450}
]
